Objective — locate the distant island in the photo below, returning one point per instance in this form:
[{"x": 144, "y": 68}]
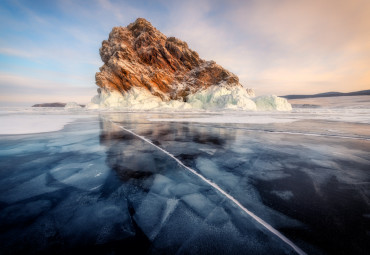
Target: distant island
[
  {"x": 53, "y": 105},
  {"x": 50, "y": 105},
  {"x": 330, "y": 94}
]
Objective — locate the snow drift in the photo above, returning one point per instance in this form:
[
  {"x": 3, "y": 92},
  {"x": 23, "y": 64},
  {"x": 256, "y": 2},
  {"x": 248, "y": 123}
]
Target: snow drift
[
  {"x": 272, "y": 102},
  {"x": 212, "y": 98},
  {"x": 72, "y": 105}
]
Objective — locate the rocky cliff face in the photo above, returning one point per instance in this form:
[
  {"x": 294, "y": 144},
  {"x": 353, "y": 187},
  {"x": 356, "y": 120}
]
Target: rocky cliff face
[{"x": 140, "y": 56}]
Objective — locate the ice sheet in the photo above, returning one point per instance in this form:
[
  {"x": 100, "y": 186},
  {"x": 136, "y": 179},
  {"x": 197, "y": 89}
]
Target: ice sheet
[
  {"x": 97, "y": 187},
  {"x": 292, "y": 175},
  {"x": 29, "y": 124},
  {"x": 255, "y": 119},
  {"x": 197, "y": 201},
  {"x": 337, "y": 115},
  {"x": 123, "y": 180}
]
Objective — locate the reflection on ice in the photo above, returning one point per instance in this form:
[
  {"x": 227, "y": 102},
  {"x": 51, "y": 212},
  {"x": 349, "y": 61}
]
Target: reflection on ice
[
  {"x": 196, "y": 202},
  {"x": 220, "y": 190},
  {"x": 112, "y": 191},
  {"x": 281, "y": 178},
  {"x": 95, "y": 187}
]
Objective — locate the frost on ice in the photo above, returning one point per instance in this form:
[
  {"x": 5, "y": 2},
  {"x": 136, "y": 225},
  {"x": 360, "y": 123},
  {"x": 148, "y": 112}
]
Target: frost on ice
[
  {"x": 213, "y": 98},
  {"x": 72, "y": 105},
  {"x": 272, "y": 102},
  {"x": 220, "y": 97}
]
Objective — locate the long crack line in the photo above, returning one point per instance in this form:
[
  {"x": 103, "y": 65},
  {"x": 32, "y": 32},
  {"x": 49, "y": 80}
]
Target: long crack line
[{"x": 214, "y": 185}]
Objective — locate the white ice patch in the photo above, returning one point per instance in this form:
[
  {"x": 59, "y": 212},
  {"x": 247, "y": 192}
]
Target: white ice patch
[
  {"x": 213, "y": 98},
  {"x": 272, "y": 102},
  {"x": 135, "y": 98},
  {"x": 72, "y": 105},
  {"x": 220, "y": 97},
  {"x": 30, "y": 124}
]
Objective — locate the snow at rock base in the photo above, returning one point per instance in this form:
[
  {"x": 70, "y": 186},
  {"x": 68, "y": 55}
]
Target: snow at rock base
[
  {"x": 72, "y": 105},
  {"x": 146, "y": 70},
  {"x": 212, "y": 98},
  {"x": 272, "y": 102}
]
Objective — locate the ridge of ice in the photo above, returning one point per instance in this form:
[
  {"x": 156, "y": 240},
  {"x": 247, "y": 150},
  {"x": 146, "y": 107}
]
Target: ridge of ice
[
  {"x": 213, "y": 98},
  {"x": 272, "y": 102},
  {"x": 220, "y": 97},
  {"x": 72, "y": 105}
]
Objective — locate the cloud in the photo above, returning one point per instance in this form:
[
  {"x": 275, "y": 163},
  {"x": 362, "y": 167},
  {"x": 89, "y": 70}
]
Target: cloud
[
  {"x": 29, "y": 90},
  {"x": 280, "y": 47},
  {"x": 29, "y": 99},
  {"x": 310, "y": 40},
  {"x": 301, "y": 46},
  {"x": 17, "y": 52},
  {"x": 29, "y": 12},
  {"x": 119, "y": 10}
]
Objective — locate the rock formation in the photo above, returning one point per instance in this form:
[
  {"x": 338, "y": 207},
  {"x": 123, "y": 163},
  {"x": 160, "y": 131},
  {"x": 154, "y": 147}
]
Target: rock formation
[
  {"x": 145, "y": 70},
  {"x": 140, "y": 56}
]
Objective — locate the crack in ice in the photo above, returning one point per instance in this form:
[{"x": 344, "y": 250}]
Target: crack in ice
[{"x": 219, "y": 189}]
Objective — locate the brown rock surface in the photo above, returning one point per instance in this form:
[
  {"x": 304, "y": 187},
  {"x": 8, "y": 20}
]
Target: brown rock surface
[{"x": 140, "y": 55}]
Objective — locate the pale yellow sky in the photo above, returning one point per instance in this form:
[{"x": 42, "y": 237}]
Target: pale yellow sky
[
  {"x": 49, "y": 50},
  {"x": 285, "y": 46}
]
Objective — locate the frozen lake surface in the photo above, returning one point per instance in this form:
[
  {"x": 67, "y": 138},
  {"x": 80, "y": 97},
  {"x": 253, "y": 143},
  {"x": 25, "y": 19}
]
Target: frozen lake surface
[{"x": 193, "y": 183}]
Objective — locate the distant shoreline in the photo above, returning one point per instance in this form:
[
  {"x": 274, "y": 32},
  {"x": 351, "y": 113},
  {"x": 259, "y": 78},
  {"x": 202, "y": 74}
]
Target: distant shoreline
[
  {"x": 53, "y": 105},
  {"x": 330, "y": 94}
]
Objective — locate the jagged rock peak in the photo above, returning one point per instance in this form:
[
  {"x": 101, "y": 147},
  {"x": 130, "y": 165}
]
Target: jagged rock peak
[
  {"x": 141, "y": 25},
  {"x": 141, "y": 56}
]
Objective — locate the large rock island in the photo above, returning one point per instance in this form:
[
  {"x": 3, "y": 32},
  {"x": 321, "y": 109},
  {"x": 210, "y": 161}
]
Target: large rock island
[{"x": 144, "y": 69}]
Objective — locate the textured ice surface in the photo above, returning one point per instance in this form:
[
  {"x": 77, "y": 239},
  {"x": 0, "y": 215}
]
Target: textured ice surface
[
  {"x": 222, "y": 98},
  {"x": 212, "y": 98},
  {"x": 94, "y": 187},
  {"x": 293, "y": 175},
  {"x": 272, "y": 102}
]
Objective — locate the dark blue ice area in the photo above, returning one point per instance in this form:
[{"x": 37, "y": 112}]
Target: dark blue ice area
[
  {"x": 95, "y": 188},
  {"x": 308, "y": 179}
]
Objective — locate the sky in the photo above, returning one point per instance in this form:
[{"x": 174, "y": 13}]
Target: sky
[{"x": 49, "y": 50}]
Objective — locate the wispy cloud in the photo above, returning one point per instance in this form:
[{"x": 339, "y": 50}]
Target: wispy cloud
[
  {"x": 32, "y": 90},
  {"x": 278, "y": 47},
  {"x": 309, "y": 40},
  {"x": 16, "y": 52},
  {"x": 29, "y": 12}
]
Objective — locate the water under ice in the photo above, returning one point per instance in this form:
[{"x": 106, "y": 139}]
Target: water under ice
[{"x": 95, "y": 186}]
